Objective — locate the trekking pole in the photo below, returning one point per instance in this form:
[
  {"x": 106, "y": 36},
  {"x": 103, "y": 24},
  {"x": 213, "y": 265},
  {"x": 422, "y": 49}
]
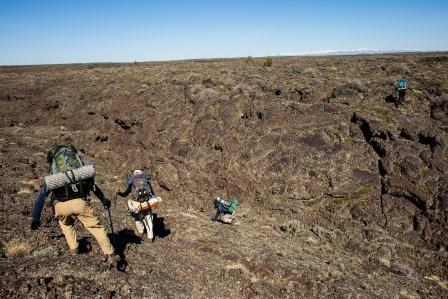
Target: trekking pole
[
  {"x": 214, "y": 218},
  {"x": 110, "y": 221}
]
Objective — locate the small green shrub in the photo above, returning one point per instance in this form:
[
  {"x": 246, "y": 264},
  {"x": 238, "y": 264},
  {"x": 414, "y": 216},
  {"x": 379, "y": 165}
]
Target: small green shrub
[
  {"x": 424, "y": 170},
  {"x": 341, "y": 200},
  {"x": 292, "y": 227},
  {"x": 364, "y": 190},
  {"x": 388, "y": 118},
  {"x": 267, "y": 62}
]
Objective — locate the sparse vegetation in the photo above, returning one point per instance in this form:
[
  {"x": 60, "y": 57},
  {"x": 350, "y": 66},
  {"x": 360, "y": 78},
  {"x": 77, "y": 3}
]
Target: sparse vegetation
[
  {"x": 424, "y": 170},
  {"x": 267, "y": 62},
  {"x": 356, "y": 84},
  {"x": 17, "y": 247},
  {"x": 364, "y": 190},
  {"x": 193, "y": 78},
  {"x": 309, "y": 71},
  {"x": 292, "y": 227},
  {"x": 341, "y": 200},
  {"x": 208, "y": 94},
  {"x": 388, "y": 118},
  {"x": 398, "y": 69},
  {"x": 242, "y": 88}
]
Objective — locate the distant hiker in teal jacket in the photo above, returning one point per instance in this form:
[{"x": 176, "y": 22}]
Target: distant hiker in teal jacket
[{"x": 402, "y": 87}]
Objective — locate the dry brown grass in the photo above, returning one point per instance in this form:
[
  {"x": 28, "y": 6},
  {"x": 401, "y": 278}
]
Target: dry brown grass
[
  {"x": 17, "y": 247},
  {"x": 398, "y": 69},
  {"x": 267, "y": 62}
]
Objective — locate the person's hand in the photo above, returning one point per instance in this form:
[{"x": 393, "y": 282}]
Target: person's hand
[
  {"x": 106, "y": 203},
  {"x": 35, "y": 224},
  {"x": 118, "y": 190}
]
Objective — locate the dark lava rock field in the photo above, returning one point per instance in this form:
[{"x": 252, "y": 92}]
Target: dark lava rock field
[{"x": 343, "y": 193}]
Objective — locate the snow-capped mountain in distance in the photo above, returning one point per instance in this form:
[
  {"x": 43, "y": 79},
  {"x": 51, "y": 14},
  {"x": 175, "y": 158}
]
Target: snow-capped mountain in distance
[{"x": 359, "y": 51}]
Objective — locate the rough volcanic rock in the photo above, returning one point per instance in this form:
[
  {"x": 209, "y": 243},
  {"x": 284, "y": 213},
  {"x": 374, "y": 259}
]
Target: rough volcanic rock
[{"x": 341, "y": 193}]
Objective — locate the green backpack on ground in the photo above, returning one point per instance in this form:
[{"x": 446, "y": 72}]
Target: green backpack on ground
[
  {"x": 233, "y": 206},
  {"x": 226, "y": 206},
  {"x": 62, "y": 158}
]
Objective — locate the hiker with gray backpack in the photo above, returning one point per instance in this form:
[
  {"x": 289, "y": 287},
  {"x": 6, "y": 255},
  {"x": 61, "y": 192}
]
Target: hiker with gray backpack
[
  {"x": 142, "y": 203},
  {"x": 70, "y": 182}
]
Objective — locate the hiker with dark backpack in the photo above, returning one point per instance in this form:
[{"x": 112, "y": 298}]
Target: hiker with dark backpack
[
  {"x": 143, "y": 201},
  {"x": 70, "y": 182},
  {"x": 402, "y": 87}
]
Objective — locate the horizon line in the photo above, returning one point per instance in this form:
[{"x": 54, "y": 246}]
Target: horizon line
[{"x": 319, "y": 53}]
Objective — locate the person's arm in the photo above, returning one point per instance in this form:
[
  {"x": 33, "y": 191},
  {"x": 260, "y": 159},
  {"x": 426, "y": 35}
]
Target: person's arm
[
  {"x": 38, "y": 205},
  {"x": 148, "y": 179},
  {"x": 126, "y": 192},
  {"x": 153, "y": 194},
  {"x": 216, "y": 216},
  {"x": 100, "y": 195},
  {"x": 396, "y": 84}
]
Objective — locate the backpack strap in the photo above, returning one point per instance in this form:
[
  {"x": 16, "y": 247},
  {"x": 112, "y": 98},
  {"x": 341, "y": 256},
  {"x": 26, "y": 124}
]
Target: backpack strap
[
  {"x": 53, "y": 167},
  {"x": 79, "y": 159},
  {"x": 72, "y": 178},
  {"x": 153, "y": 194}
]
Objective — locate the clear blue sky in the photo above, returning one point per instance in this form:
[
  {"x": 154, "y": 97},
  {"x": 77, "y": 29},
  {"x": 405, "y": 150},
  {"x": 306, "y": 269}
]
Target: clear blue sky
[{"x": 40, "y": 31}]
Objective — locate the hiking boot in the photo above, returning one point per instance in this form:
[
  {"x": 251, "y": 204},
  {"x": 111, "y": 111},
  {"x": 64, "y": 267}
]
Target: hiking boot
[
  {"x": 111, "y": 259},
  {"x": 110, "y": 262},
  {"x": 74, "y": 251},
  {"x": 138, "y": 234}
]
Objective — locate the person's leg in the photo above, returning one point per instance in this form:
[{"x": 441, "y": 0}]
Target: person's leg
[
  {"x": 63, "y": 211},
  {"x": 140, "y": 228},
  {"x": 148, "y": 224},
  {"x": 227, "y": 218},
  {"x": 401, "y": 95},
  {"x": 91, "y": 222}
]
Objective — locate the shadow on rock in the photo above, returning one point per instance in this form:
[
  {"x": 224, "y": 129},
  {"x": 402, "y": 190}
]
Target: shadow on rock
[
  {"x": 392, "y": 99},
  {"x": 85, "y": 246},
  {"x": 159, "y": 227},
  {"x": 120, "y": 241}
]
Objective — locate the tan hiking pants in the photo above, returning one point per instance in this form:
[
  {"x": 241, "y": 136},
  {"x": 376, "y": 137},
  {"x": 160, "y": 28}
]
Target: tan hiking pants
[{"x": 78, "y": 208}]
